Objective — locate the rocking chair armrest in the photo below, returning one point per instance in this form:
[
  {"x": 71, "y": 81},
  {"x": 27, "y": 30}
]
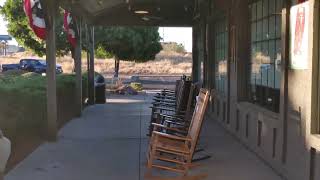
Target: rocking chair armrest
[
  {"x": 176, "y": 122},
  {"x": 155, "y": 125},
  {"x": 172, "y": 136}
]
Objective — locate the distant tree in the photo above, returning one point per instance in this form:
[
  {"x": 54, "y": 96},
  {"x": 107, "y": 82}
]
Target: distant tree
[
  {"x": 138, "y": 44},
  {"x": 174, "y": 47},
  {"x": 18, "y": 27}
]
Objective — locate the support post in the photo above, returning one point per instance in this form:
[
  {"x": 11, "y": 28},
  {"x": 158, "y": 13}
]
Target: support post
[
  {"x": 51, "y": 8},
  {"x": 195, "y": 55},
  {"x": 78, "y": 68},
  {"x": 91, "y": 68},
  {"x": 284, "y": 82}
]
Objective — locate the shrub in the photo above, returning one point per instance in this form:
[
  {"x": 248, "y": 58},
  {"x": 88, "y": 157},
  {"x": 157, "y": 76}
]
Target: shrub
[
  {"x": 136, "y": 86},
  {"x": 102, "y": 54},
  {"x": 23, "y": 103}
]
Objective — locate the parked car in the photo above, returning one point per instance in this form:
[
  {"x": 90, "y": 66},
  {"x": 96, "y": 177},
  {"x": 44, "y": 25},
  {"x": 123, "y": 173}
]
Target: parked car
[{"x": 31, "y": 65}]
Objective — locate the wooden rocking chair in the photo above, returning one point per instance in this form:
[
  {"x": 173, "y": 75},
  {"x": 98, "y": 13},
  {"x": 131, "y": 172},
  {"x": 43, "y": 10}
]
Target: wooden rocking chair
[
  {"x": 174, "y": 153},
  {"x": 171, "y": 106}
]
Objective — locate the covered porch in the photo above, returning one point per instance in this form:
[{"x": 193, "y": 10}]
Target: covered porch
[
  {"x": 109, "y": 142},
  {"x": 240, "y": 52}
]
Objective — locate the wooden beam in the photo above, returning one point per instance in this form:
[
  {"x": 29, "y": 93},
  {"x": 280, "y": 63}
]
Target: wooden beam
[
  {"x": 91, "y": 67},
  {"x": 78, "y": 63},
  {"x": 50, "y": 8}
]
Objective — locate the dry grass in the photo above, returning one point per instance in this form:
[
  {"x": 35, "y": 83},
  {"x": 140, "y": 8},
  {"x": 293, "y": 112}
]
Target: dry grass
[{"x": 166, "y": 63}]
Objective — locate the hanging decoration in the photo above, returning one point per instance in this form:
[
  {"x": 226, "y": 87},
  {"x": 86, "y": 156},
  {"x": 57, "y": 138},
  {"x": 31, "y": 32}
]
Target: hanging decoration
[
  {"x": 35, "y": 13},
  {"x": 70, "y": 28}
]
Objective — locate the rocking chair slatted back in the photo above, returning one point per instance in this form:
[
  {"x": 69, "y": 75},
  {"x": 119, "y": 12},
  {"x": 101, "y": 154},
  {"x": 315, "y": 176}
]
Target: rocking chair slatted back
[
  {"x": 198, "y": 116},
  {"x": 194, "y": 91},
  {"x": 182, "y": 97}
]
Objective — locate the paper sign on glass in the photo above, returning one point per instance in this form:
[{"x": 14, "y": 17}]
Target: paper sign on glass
[{"x": 299, "y": 36}]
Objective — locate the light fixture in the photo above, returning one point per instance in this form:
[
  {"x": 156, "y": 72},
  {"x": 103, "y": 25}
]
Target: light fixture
[{"x": 141, "y": 12}]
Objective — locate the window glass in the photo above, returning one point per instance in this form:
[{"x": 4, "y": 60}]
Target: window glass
[
  {"x": 259, "y": 31},
  {"x": 278, "y": 65},
  {"x": 272, "y": 25},
  {"x": 272, "y": 7},
  {"x": 278, "y": 28},
  {"x": 265, "y": 29},
  {"x": 253, "y": 31},
  {"x": 259, "y": 9},
  {"x": 254, "y": 11},
  {"x": 279, "y": 5},
  {"x": 265, "y": 8},
  {"x": 271, "y": 76},
  {"x": 221, "y": 48},
  {"x": 265, "y": 66}
]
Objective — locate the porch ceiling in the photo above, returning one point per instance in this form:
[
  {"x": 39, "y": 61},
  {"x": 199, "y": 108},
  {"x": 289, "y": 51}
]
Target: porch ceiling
[{"x": 122, "y": 12}]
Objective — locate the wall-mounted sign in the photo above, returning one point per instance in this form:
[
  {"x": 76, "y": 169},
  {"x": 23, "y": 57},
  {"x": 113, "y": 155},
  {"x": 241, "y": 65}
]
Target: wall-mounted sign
[{"x": 299, "y": 36}]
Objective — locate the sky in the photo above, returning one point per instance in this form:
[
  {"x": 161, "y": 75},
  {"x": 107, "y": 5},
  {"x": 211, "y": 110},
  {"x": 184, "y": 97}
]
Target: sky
[{"x": 168, "y": 34}]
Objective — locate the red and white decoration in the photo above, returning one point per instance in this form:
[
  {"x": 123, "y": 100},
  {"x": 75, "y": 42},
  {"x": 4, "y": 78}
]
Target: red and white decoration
[
  {"x": 299, "y": 35},
  {"x": 35, "y": 13},
  {"x": 70, "y": 28}
]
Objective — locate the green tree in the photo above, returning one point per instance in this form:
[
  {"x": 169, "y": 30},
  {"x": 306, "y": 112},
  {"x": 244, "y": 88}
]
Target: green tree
[
  {"x": 18, "y": 27},
  {"x": 126, "y": 43},
  {"x": 138, "y": 44}
]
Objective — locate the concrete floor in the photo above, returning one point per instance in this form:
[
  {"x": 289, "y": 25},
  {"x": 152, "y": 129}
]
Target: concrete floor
[{"x": 109, "y": 142}]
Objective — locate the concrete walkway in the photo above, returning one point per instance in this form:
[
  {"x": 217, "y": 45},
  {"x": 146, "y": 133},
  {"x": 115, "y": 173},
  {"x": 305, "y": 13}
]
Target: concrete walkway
[{"x": 109, "y": 143}]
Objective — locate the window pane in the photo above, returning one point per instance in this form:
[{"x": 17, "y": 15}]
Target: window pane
[
  {"x": 258, "y": 75},
  {"x": 259, "y": 9},
  {"x": 272, "y": 51},
  {"x": 221, "y": 55},
  {"x": 278, "y": 65},
  {"x": 271, "y": 76},
  {"x": 272, "y": 32},
  {"x": 279, "y": 6},
  {"x": 253, "y": 32},
  {"x": 264, "y": 74},
  {"x": 278, "y": 26},
  {"x": 265, "y": 8},
  {"x": 259, "y": 31},
  {"x": 265, "y": 67},
  {"x": 265, "y": 53},
  {"x": 253, "y": 79},
  {"x": 272, "y": 6},
  {"x": 254, "y": 11},
  {"x": 265, "y": 29},
  {"x": 253, "y": 52},
  {"x": 226, "y": 45}
]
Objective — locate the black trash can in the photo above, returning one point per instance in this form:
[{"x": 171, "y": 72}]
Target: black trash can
[{"x": 100, "y": 89}]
